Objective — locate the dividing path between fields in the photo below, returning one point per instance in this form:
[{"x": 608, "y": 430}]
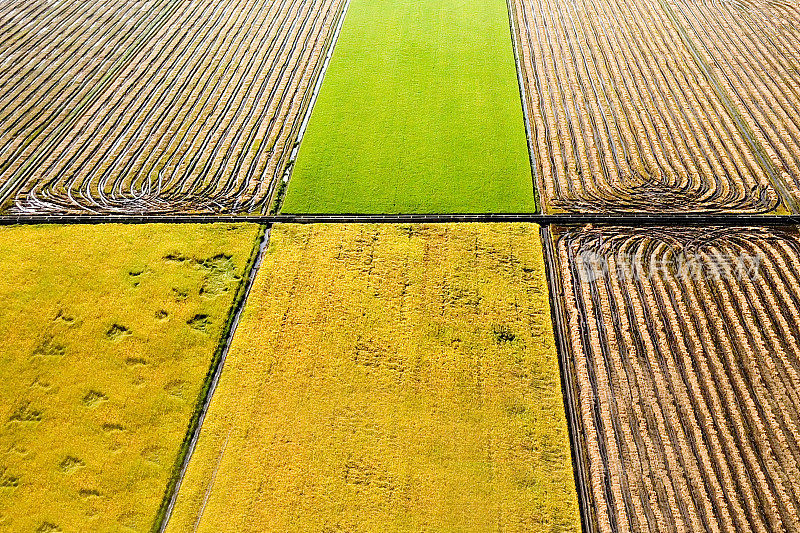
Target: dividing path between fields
[
  {"x": 632, "y": 219},
  {"x": 194, "y": 433}
]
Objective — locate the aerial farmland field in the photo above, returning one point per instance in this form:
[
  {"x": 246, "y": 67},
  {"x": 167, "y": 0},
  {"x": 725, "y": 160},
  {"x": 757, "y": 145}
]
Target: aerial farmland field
[
  {"x": 155, "y": 106},
  {"x": 419, "y": 112},
  {"x": 388, "y": 377},
  {"x": 399, "y": 266},
  {"x": 630, "y": 112},
  {"x": 107, "y": 340},
  {"x": 752, "y": 47},
  {"x": 685, "y": 349}
]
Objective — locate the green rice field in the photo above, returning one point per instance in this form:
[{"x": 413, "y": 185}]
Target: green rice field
[{"x": 419, "y": 112}]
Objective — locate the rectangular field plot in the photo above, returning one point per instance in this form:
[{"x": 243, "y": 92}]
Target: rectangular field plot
[
  {"x": 419, "y": 112},
  {"x": 685, "y": 345},
  {"x": 158, "y": 106},
  {"x": 634, "y": 107},
  {"x": 753, "y": 47},
  {"x": 388, "y": 378},
  {"x": 107, "y": 334}
]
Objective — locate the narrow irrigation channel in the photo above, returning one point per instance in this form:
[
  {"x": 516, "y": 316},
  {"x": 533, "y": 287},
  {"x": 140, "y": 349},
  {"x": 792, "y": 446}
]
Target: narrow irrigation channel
[{"x": 195, "y": 426}]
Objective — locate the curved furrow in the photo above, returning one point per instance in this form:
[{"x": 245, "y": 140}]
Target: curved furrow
[
  {"x": 623, "y": 118},
  {"x": 126, "y": 155},
  {"x": 101, "y": 119},
  {"x": 179, "y": 107},
  {"x": 274, "y": 70},
  {"x": 278, "y": 130},
  {"x": 686, "y": 346},
  {"x": 20, "y": 172}
]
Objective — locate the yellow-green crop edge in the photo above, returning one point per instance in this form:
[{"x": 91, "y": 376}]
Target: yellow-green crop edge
[{"x": 193, "y": 426}]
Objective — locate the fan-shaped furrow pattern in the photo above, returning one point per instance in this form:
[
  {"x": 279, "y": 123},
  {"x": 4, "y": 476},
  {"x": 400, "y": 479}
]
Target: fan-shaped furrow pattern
[
  {"x": 155, "y": 106},
  {"x": 686, "y": 348},
  {"x": 753, "y": 47},
  {"x": 624, "y": 118}
]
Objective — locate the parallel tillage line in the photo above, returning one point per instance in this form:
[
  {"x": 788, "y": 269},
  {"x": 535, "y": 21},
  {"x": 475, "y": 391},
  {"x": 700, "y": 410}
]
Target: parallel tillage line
[
  {"x": 620, "y": 114},
  {"x": 754, "y": 56},
  {"x": 194, "y": 115},
  {"x": 687, "y": 380}
]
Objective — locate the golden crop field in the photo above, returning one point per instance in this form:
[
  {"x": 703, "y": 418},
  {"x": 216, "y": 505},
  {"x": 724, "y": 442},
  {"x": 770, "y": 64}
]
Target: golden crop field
[
  {"x": 686, "y": 351},
  {"x": 108, "y": 333},
  {"x": 388, "y": 378}
]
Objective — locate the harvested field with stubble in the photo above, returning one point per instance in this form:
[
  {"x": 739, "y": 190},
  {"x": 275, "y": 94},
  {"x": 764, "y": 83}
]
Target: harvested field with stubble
[
  {"x": 157, "y": 106},
  {"x": 753, "y": 47},
  {"x": 388, "y": 378},
  {"x": 108, "y": 332},
  {"x": 629, "y": 110},
  {"x": 685, "y": 348}
]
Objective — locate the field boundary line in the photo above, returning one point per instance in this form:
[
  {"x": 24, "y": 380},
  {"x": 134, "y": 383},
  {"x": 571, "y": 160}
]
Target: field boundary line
[
  {"x": 523, "y": 93},
  {"x": 631, "y": 219},
  {"x": 193, "y": 433},
  {"x": 277, "y": 199},
  {"x": 568, "y": 390}
]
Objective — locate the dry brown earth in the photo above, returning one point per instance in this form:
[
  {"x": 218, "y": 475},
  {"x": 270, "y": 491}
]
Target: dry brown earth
[{"x": 628, "y": 113}]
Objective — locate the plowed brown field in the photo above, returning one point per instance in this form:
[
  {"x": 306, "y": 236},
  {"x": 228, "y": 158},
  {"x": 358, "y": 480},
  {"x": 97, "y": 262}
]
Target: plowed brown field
[
  {"x": 159, "y": 106},
  {"x": 686, "y": 354},
  {"x": 659, "y": 106}
]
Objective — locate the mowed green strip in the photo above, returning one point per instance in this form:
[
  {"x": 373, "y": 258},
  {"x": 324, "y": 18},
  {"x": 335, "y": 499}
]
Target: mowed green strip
[{"x": 419, "y": 112}]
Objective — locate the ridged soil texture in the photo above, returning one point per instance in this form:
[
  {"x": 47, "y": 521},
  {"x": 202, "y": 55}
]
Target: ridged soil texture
[
  {"x": 154, "y": 106},
  {"x": 657, "y": 106},
  {"x": 686, "y": 352}
]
